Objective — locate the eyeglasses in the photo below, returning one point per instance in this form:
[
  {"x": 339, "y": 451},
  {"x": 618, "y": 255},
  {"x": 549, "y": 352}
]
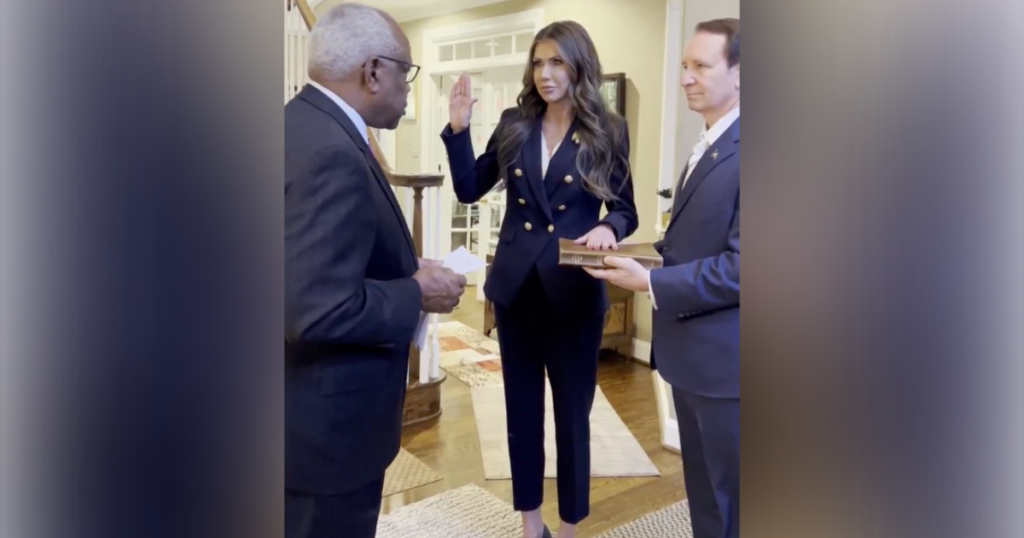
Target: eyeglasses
[{"x": 411, "y": 69}]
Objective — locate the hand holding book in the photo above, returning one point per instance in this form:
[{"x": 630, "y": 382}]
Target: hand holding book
[
  {"x": 602, "y": 237},
  {"x": 626, "y": 273},
  {"x": 571, "y": 253}
]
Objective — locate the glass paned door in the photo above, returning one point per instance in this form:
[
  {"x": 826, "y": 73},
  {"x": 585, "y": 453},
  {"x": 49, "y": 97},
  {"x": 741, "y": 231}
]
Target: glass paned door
[
  {"x": 476, "y": 226},
  {"x": 464, "y": 223}
]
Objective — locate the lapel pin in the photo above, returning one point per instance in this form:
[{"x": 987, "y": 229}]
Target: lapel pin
[
  {"x": 714, "y": 155},
  {"x": 576, "y": 137}
]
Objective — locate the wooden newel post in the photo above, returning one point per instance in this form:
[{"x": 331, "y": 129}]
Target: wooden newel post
[{"x": 422, "y": 400}]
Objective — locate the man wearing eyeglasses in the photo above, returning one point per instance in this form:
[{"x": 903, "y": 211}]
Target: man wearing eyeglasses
[{"x": 354, "y": 288}]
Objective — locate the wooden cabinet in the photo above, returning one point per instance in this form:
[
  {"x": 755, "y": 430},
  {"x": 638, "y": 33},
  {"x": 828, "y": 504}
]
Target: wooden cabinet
[{"x": 619, "y": 328}]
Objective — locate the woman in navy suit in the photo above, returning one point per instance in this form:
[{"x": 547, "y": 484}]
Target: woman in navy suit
[{"x": 560, "y": 155}]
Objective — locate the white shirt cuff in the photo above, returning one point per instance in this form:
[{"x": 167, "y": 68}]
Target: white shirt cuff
[{"x": 650, "y": 291}]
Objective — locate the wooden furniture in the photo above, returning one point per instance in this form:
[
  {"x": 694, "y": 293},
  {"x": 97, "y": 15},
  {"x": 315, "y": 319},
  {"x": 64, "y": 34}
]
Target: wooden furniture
[
  {"x": 619, "y": 327},
  {"x": 422, "y": 400}
]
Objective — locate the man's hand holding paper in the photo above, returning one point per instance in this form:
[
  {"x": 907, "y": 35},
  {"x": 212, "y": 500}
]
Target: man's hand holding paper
[{"x": 451, "y": 270}]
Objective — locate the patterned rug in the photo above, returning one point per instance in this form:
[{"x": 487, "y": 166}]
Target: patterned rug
[
  {"x": 468, "y": 355},
  {"x": 673, "y": 521},
  {"x": 407, "y": 472},
  {"x": 466, "y": 512},
  {"x": 473, "y": 512}
]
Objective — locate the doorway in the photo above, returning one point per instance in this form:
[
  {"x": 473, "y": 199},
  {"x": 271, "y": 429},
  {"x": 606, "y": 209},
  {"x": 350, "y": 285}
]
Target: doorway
[
  {"x": 494, "y": 52},
  {"x": 476, "y": 226}
]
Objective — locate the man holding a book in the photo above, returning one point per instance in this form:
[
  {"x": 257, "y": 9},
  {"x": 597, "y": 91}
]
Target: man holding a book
[{"x": 696, "y": 295}]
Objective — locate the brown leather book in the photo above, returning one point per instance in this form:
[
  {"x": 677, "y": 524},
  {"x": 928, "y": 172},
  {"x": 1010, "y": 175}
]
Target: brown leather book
[{"x": 575, "y": 255}]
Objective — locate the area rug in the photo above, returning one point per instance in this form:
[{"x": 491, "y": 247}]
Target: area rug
[
  {"x": 473, "y": 512},
  {"x": 468, "y": 355},
  {"x": 673, "y": 521},
  {"x": 407, "y": 472},
  {"x": 466, "y": 512},
  {"x": 614, "y": 451}
]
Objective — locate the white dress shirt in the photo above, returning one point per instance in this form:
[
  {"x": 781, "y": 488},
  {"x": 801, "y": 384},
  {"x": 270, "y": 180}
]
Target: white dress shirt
[
  {"x": 708, "y": 137},
  {"x": 357, "y": 120},
  {"x": 545, "y": 156}
]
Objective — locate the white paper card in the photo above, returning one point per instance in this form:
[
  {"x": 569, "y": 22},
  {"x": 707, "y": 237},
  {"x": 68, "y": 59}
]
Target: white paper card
[
  {"x": 420, "y": 339},
  {"x": 463, "y": 261}
]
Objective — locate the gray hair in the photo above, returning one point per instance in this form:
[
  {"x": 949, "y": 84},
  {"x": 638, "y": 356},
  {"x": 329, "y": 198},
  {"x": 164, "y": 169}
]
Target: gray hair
[{"x": 347, "y": 36}]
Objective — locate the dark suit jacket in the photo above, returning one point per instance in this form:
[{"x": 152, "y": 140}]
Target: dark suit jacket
[
  {"x": 539, "y": 211},
  {"x": 351, "y": 306},
  {"x": 697, "y": 321}
]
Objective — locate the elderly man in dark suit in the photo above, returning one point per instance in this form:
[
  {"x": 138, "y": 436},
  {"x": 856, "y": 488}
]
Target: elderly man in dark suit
[
  {"x": 696, "y": 296},
  {"x": 354, "y": 289}
]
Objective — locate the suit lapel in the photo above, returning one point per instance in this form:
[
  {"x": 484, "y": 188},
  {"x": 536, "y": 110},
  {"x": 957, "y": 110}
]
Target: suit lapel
[
  {"x": 317, "y": 98},
  {"x": 534, "y": 177},
  {"x": 378, "y": 172},
  {"x": 722, "y": 149}
]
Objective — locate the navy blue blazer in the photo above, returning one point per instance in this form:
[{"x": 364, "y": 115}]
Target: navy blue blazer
[
  {"x": 540, "y": 210},
  {"x": 351, "y": 304},
  {"x": 696, "y": 337}
]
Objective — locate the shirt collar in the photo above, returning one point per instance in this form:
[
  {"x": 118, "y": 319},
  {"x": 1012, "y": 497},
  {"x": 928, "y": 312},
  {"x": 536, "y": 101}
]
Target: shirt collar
[
  {"x": 357, "y": 120},
  {"x": 711, "y": 135}
]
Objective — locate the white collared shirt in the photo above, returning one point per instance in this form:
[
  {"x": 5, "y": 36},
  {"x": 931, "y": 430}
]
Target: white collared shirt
[
  {"x": 357, "y": 120},
  {"x": 709, "y": 135},
  {"x": 545, "y": 157}
]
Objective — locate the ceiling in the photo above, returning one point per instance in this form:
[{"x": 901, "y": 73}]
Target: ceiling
[{"x": 410, "y": 10}]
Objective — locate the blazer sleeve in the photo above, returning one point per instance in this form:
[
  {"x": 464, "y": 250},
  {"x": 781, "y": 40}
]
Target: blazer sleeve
[
  {"x": 622, "y": 215},
  {"x": 702, "y": 285},
  {"x": 473, "y": 177},
  {"x": 330, "y": 224}
]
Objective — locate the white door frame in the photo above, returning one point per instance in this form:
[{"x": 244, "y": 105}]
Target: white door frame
[
  {"x": 674, "y": 33},
  {"x": 668, "y": 168},
  {"x": 427, "y": 107}
]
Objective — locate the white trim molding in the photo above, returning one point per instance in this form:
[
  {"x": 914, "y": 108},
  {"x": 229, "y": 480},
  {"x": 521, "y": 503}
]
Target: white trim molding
[
  {"x": 668, "y": 427},
  {"x": 674, "y": 33},
  {"x": 436, "y": 9},
  {"x": 642, "y": 351},
  {"x": 524, "y": 21}
]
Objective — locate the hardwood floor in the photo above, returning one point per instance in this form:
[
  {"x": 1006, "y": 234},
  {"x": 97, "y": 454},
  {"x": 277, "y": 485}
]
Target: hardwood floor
[{"x": 450, "y": 445}]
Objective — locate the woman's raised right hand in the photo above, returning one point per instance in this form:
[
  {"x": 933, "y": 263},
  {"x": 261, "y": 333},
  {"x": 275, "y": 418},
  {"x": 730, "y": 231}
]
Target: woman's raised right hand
[{"x": 460, "y": 105}]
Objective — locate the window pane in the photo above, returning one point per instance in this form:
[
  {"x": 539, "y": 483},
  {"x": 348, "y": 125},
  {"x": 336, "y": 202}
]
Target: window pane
[
  {"x": 458, "y": 216},
  {"x": 496, "y": 216},
  {"x": 482, "y": 48},
  {"x": 458, "y": 240},
  {"x": 447, "y": 53},
  {"x": 523, "y": 42},
  {"x": 503, "y": 45},
  {"x": 464, "y": 51}
]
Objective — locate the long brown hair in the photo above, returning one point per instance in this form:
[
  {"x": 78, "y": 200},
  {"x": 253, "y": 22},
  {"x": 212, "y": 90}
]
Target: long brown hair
[{"x": 601, "y": 131}]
